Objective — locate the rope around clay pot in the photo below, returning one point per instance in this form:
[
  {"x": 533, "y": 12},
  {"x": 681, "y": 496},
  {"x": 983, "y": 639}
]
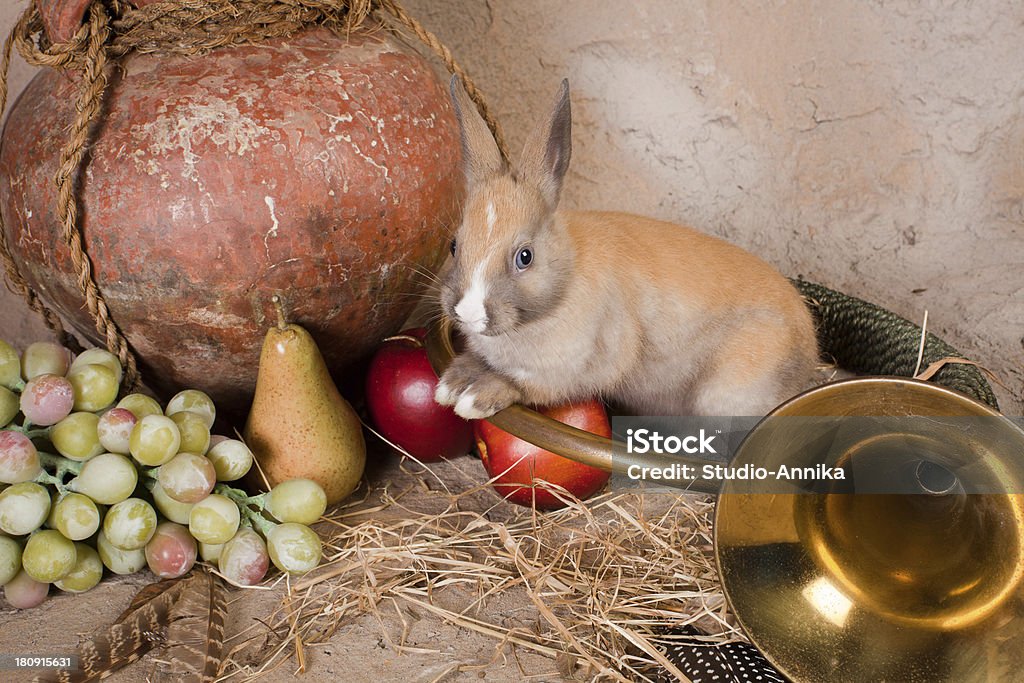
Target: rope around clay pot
[{"x": 114, "y": 29}]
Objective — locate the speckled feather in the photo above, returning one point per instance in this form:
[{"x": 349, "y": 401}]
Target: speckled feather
[
  {"x": 195, "y": 636},
  {"x": 705, "y": 662},
  {"x": 186, "y": 615},
  {"x": 138, "y": 630}
]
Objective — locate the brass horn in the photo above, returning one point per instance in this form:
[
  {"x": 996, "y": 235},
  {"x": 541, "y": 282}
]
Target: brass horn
[{"x": 837, "y": 585}]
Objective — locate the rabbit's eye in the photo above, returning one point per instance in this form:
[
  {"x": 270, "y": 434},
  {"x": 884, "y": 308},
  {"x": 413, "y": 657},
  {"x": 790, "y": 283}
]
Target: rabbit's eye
[
  {"x": 524, "y": 257},
  {"x": 451, "y": 247}
]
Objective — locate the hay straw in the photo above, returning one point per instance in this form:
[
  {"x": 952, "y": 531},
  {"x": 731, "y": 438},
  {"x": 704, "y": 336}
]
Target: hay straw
[
  {"x": 920, "y": 350},
  {"x": 601, "y": 582}
]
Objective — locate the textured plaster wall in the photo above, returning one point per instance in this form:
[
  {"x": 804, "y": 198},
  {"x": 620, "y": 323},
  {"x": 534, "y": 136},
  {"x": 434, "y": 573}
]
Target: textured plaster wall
[
  {"x": 874, "y": 146},
  {"x": 18, "y": 324}
]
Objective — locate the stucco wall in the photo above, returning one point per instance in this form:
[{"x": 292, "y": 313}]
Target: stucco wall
[
  {"x": 877, "y": 147},
  {"x": 18, "y": 324}
]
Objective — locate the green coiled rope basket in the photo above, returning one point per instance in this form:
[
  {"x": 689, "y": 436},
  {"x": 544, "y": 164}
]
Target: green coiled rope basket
[{"x": 867, "y": 339}]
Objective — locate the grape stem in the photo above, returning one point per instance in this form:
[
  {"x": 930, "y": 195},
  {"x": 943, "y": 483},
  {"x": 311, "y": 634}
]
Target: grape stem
[
  {"x": 240, "y": 498},
  {"x": 60, "y": 463},
  {"x": 62, "y": 467},
  {"x": 27, "y": 431},
  {"x": 45, "y": 477},
  {"x": 257, "y": 521},
  {"x": 245, "y": 503}
]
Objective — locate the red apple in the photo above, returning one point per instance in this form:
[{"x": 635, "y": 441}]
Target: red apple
[
  {"x": 516, "y": 463},
  {"x": 400, "y": 388}
]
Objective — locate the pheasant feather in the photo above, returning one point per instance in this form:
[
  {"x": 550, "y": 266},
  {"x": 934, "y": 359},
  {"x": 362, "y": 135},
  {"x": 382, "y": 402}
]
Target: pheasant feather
[
  {"x": 195, "y": 637},
  {"x": 184, "y": 615},
  {"x": 138, "y": 630}
]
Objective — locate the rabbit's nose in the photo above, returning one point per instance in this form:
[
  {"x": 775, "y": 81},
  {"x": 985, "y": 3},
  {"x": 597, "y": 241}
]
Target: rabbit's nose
[
  {"x": 471, "y": 311},
  {"x": 472, "y": 315}
]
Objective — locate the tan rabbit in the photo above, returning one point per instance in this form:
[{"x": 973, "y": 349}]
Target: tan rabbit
[{"x": 564, "y": 305}]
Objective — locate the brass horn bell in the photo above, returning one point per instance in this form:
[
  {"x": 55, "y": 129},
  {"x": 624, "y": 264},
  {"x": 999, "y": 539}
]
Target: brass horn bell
[{"x": 838, "y": 585}]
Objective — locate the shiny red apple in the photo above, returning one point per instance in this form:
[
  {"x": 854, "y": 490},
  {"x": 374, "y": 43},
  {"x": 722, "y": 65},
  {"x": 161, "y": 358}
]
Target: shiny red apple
[
  {"x": 400, "y": 388},
  {"x": 517, "y": 463}
]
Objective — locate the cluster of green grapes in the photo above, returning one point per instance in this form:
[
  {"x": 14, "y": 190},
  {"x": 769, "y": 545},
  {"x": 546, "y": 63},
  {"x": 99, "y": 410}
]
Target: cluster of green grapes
[{"x": 87, "y": 484}]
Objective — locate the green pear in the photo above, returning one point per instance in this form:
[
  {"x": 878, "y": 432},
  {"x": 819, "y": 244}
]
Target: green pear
[{"x": 299, "y": 425}]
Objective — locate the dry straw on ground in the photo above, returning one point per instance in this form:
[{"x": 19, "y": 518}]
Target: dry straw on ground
[{"x": 601, "y": 581}]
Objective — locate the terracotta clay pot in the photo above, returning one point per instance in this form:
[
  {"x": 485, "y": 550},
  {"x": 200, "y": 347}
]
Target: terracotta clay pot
[{"x": 325, "y": 169}]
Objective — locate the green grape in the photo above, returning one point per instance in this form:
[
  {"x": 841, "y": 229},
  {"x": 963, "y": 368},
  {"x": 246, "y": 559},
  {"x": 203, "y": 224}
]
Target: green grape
[
  {"x": 23, "y": 508},
  {"x": 195, "y": 434},
  {"x": 10, "y": 559},
  {"x": 108, "y": 478},
  {"x": 210, "y": 552},
  {"x": 24, "y": 592},
  {"x": 297, "y": 500},
  {"x": 48, "y": 556},
  {"x": 214, "y": 519},
  {"x": 231, "y": 459},
  {"x": 99, "y": 357},
  {"x": 196, "y": 401},
  {"x": 155, "y": 440},
  {"x": 114, "y": 430},
  {"x": 44, "y": 358},
  {"x": 86, "y": 573},
  {"x": 187, "y": 477},
  {"x": 130, "y": 524},
  {"x": 140, "y": 405},
  {"x": 19, "y": 459},
  {"x": 9, "y": 405},
  {"x": 294, "y": 548},
  {"x": 243, "y": 559},
  {"x": 76, "y": 516},
  {"x": 75, "y": 436},
  {"x": 10, "y": 366},
  {"x": 95, "y": 386},
  {"x": 168, "y": 507},
  {"x": 54, "y": 497},
  {"x": 117, "y": 560}
]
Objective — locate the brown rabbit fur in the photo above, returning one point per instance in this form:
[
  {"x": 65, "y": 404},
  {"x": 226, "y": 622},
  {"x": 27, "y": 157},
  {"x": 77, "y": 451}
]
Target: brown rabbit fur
[{"x": 559, "y": 306}]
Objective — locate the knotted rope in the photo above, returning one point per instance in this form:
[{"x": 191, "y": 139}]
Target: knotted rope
[{"x": 112, "y": 30}]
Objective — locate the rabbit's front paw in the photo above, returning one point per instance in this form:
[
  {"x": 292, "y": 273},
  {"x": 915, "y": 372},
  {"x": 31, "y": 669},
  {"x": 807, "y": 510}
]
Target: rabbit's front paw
[
  {"x": 474, "y": 390},
  {"x": 486, "y": 396},
  {"x": 463, "y": 371}
]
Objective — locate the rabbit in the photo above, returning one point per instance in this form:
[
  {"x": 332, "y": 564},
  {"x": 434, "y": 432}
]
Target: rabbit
[{"x": 559, "y": 306}]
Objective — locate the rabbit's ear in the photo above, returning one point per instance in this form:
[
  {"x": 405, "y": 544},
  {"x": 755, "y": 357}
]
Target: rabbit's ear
[
  {"x": 481, "y": 158},
  {"x": 546, "y": 155}
]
